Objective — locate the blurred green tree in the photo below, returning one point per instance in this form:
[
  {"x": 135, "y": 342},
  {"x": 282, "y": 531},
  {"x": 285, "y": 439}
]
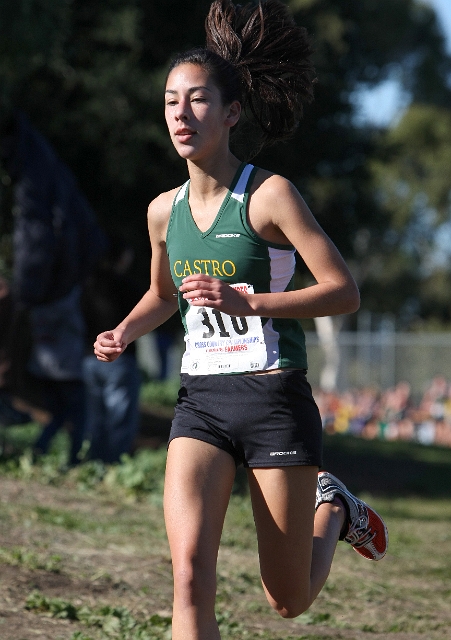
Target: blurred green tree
[
  {"x": 411, "y": 172},
  {"x": 342, "y": 174}
]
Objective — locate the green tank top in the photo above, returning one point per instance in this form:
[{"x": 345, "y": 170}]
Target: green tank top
[{"x": 230, "y": 250}]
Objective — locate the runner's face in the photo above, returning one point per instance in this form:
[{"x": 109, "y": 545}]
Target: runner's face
[{"x": 197, "y": 120}]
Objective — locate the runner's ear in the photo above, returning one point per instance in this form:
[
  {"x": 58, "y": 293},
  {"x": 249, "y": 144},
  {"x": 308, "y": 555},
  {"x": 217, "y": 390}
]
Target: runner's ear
[{"x": 233, "y": 113}]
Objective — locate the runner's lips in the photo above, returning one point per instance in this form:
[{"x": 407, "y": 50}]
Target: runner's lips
[{"x": 184, "y": 132}]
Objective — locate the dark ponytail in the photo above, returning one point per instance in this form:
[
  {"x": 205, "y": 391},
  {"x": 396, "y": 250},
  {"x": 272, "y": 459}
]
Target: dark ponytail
[{"x": 258, "y": 55}]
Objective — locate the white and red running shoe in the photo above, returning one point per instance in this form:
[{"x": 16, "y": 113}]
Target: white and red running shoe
[{"x": 367, "y": 532}]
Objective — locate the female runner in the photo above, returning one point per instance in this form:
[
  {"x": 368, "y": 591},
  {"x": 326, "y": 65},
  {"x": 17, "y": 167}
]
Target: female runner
[{"x": 223, "y": 250}]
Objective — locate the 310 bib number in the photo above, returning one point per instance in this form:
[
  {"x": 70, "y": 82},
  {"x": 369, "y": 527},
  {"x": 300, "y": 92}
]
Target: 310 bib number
[
  {"x": 219, "y": 343},
  {"x": 239, "y": 330}
]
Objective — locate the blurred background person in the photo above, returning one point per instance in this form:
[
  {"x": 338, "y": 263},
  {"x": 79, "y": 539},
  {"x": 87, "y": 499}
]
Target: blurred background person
[
  {"x": 9, "y": 413},
  {"x": 56, "y": 242},
  {"x": 112, "y": 392}
]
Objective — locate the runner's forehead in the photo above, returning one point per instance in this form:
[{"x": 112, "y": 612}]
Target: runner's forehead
[{"x": 189, "y": 78}]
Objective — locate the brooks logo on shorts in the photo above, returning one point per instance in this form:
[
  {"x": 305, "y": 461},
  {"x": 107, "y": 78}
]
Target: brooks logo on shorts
[{"x": 283, "y": 453}]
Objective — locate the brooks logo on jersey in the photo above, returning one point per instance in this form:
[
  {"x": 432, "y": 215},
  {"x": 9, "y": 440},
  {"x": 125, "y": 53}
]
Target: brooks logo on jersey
[{"x": 228, "y": 235}]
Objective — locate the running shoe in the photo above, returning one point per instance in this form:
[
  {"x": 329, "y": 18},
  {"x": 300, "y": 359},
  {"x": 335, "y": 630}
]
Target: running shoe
[{"x": 367, "y": 533}]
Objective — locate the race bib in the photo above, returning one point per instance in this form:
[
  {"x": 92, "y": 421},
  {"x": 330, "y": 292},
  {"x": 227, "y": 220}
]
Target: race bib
[{"x": 219, "y": 343}]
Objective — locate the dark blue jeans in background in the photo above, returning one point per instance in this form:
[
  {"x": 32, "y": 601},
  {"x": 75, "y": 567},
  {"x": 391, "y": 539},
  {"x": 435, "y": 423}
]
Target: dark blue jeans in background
[
  {"x": 112, "y": 406},
  {"x": 65, "y": 399}
]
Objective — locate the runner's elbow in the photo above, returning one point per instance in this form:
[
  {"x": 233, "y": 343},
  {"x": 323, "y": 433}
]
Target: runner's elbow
[{"x": 353, "y": 299}]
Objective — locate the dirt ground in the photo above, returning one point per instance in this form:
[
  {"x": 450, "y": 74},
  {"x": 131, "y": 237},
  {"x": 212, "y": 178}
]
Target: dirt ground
[
  {"x": 16, "y": 623},
  {"x": 105, "y": 567},
  {"x": 115, "y": 553},
  {"x": 91, "y": 572}
]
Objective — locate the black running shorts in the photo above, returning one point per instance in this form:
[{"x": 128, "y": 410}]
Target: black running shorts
[{"x": 262, "y": 420}]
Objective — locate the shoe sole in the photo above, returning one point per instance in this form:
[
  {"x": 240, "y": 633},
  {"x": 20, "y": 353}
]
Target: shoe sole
[{"x": 377, "y": 548}]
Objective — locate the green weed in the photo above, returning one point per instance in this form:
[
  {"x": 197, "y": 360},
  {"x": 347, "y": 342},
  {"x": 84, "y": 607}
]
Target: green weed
[
  {"x": 141, "y": 474},
  {"x": 113, "y": 622},
  {"x": 160, "y": 392},
  {"x": 310, "y": 618},
  {"x": 58, "y": 517},
  {"x": 135, "y": 476},
  {"x": 24, "y": 557}
]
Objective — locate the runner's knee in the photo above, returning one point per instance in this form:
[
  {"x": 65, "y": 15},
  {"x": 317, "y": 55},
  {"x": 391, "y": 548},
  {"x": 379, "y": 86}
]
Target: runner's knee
[
  {"x": 194, "y": 582},
  {"x": 289, "y": 606}
]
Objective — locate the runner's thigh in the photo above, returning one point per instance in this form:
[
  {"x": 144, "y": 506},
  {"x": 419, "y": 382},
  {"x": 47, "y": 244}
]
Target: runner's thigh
[
  {"x": 198, "y": 483},
  {"x": 283, "y": 501}
]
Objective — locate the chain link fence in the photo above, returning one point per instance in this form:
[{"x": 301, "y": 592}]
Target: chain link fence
[
  {"x": 383, "y": 358},
  {"x": 365, "y": 358}
]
